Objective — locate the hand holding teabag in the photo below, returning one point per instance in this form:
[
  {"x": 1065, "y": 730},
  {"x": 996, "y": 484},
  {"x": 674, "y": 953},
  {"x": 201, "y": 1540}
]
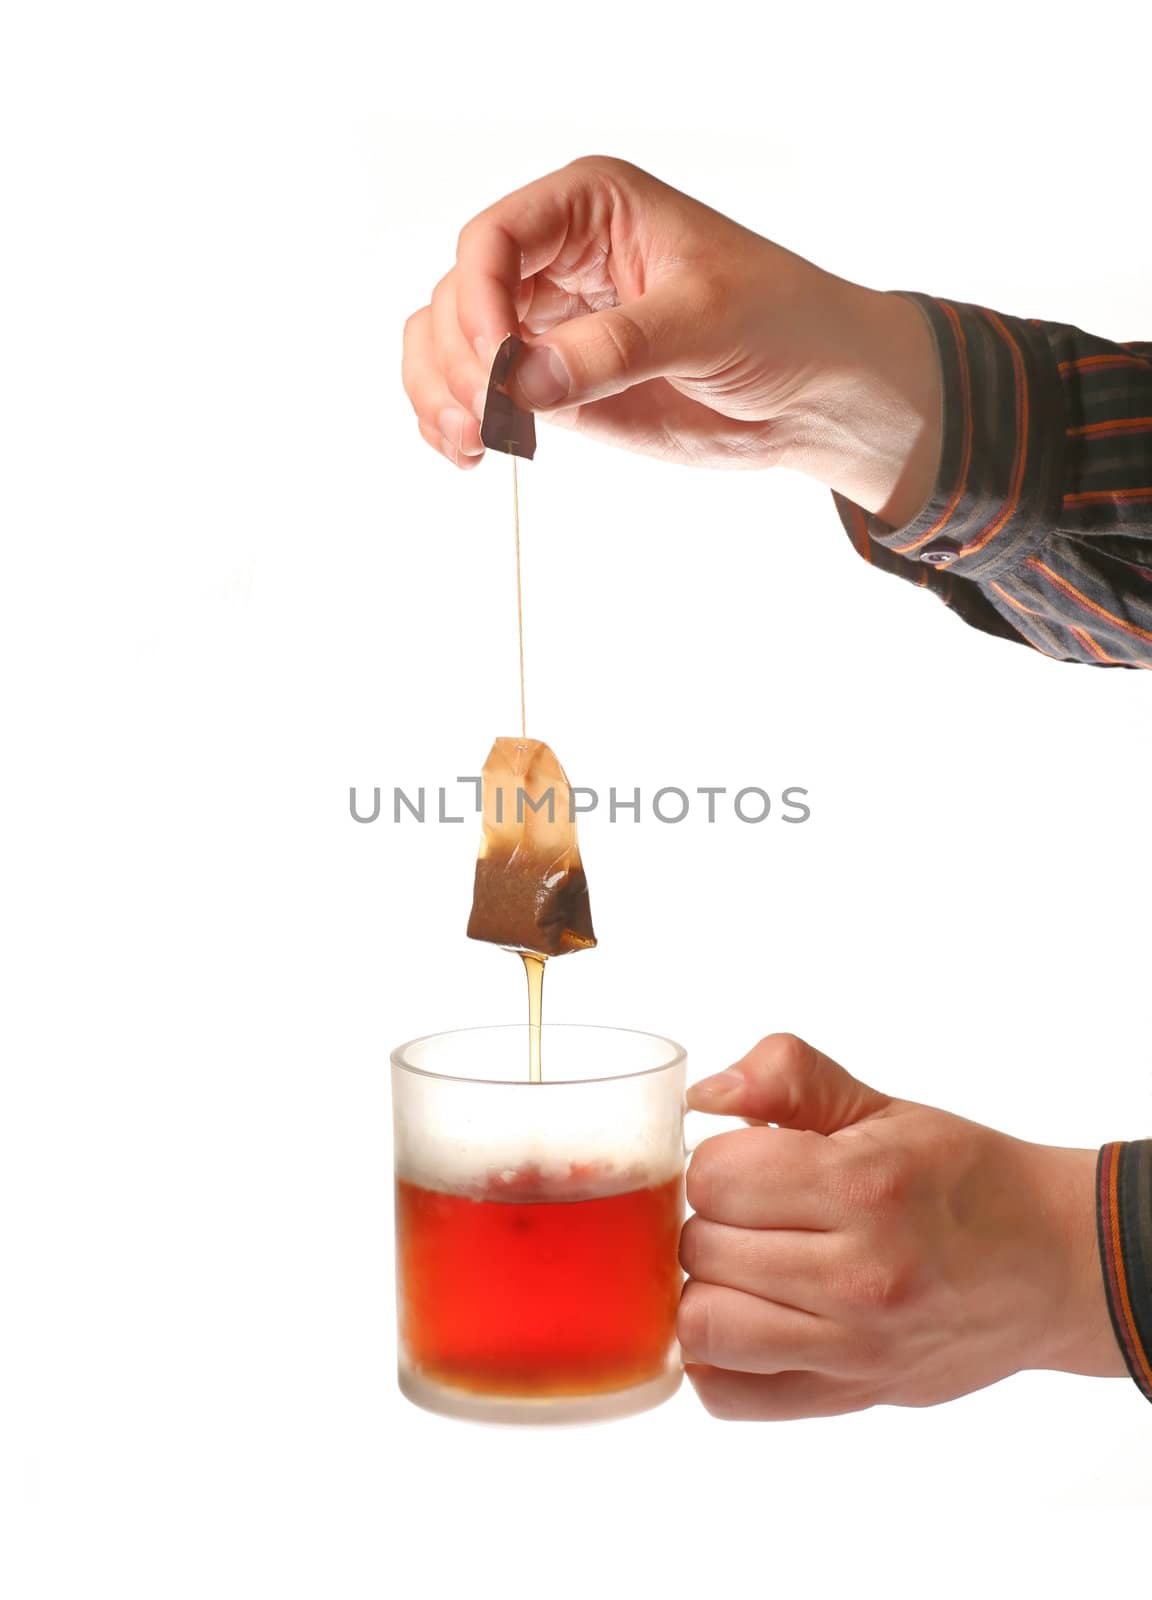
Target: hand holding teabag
[{"x": 530, "y": 892}]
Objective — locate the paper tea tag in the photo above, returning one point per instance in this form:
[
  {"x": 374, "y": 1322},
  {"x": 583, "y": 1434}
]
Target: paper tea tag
[{"x": 505, "y": 426}]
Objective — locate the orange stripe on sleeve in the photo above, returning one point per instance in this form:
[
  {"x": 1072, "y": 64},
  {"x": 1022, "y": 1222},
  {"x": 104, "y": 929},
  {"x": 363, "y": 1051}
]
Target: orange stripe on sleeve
[
  {"x": 1089, "y": 605},
  {"x": 1094, "y": 363},
  {"x": 1085, "y": 639},
  {"x": 1087, "y": 497},
  {"x": 1020, "y": 606},
  {"x": 1012, "y": 600},
  {"x": 1102, "y": 430},
  {"x": 1090, "y": 644}
]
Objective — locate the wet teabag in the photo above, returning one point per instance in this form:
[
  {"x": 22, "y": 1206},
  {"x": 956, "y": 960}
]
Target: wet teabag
[{"x": 530, "y": 891}]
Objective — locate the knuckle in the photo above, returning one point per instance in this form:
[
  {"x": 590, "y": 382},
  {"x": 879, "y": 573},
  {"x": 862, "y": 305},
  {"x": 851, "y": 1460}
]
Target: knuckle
[
  {"x": 786, "y": 1043},
  {"x": 781, "y": 1059},
  {"x": 626, "y": 338},
  {"x": 694, "y": 1321},
  {"x": 413, "y": 383},
  {"x": 883, "y": 1181},
  {"x": 479, "y": 228},
  {"x": 874, "y": 1180},
  {"x": 787, "y": 1051},
  {"x": 467, "y": 234},
  {"x": 715, "y": 1168},
  {"x": 873, "y": 1356},
  {"x": 700, "y": 1181},
  {"x": 602, "y": 163},
  {"x": 462, "y": 381},
  {"x": 884, "y": 1284}
]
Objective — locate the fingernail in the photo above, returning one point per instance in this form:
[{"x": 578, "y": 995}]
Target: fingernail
[
  {"x": 542, "y": 377},
  {"x": 479, "y": 400},
  {"x": 451, "y": 424},
  {"x": 718, "y": 1090}
]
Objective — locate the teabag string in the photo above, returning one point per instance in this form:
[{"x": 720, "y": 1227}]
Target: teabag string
[
  {"x": 519, "y": 596},
  {"x": 530, "y": 894},
  {"x": 505, "y": 426}
]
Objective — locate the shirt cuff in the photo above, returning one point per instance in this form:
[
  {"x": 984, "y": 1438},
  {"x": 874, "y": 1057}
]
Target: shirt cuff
[
  {"x": 998, "y": 488},
  {"x": 1124, "y": 1230}
]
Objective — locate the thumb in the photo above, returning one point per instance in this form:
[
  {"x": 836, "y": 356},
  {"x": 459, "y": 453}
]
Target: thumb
[
  {"x": 608, "y": 351},
  {"x": 786, "y": 1081}
]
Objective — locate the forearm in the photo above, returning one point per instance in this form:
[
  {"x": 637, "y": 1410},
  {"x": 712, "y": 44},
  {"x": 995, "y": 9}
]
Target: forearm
[{"x": 1019, "y": 489}]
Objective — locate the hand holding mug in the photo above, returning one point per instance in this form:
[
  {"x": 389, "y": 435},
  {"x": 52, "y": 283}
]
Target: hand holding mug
[{"x": 872, "y": 1251}]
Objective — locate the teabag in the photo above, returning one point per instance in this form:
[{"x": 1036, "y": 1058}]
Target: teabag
[{"x": 530, "y": 891}]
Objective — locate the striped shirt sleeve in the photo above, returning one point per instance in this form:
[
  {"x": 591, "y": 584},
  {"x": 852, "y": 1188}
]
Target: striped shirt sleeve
[
  {"x": 1124, "y": 1225},
  {"x": 1039, "y": 526}
]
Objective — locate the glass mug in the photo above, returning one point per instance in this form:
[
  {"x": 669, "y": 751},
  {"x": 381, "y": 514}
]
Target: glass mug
[{"x": 537, "y": 1224}]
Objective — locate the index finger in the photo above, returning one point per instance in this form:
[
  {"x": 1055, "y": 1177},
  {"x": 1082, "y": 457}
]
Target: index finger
[
  {"x": 767, "y": 1178},
  {"x": 512, "y": 240}
]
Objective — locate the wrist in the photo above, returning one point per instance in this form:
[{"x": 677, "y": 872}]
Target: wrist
[
  {"x": 1076, "y": 1334},
  {"x": 871, "y": 414}
]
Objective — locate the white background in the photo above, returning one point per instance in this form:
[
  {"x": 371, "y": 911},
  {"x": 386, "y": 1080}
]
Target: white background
[{"x": 235, "y": 582}]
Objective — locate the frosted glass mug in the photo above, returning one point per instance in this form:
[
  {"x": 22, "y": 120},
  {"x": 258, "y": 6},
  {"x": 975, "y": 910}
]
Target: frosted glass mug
[{"x": 537, "y": 1224}]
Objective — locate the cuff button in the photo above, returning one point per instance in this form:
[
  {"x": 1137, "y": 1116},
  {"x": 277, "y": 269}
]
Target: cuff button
[{"x": 940, "y": 552}]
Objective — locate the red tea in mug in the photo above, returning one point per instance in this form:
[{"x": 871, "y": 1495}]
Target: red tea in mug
[{"x": 523, "y": 1289}]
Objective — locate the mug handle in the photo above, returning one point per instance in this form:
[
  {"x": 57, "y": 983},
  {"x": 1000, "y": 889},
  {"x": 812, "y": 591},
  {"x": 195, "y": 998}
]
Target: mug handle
[{"x": 703, "y": 1124}]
